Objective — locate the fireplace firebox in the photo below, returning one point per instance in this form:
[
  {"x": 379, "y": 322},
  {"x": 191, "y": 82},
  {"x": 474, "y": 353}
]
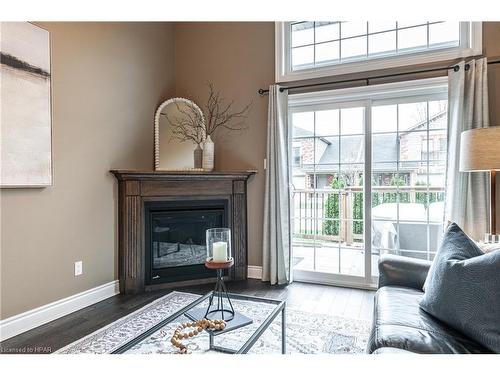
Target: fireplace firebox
[{"x": 175, "y": 238}]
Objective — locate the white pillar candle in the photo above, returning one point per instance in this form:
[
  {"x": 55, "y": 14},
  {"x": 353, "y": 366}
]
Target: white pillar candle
[{"x": 219, "y": 251}]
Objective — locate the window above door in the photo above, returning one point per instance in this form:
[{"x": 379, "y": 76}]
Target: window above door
[{"x": 309, "y": 49}]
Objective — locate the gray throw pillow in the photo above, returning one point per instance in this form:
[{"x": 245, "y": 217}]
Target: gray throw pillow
[{"x": 463, "y": 288}]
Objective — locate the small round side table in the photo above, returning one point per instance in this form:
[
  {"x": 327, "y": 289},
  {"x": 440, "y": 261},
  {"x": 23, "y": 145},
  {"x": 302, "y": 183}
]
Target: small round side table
[{"x": 220, "y": 311}]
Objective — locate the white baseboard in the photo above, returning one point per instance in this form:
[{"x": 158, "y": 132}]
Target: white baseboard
[
  {"x": 255, "y": 272},
  {"x": 33, "y": 318}
]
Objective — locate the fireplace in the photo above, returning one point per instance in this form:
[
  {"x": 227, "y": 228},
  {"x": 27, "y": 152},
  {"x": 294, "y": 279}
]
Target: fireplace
[
  {"x": 175, "y": 238},
  {"x": 162, "y": 219}
]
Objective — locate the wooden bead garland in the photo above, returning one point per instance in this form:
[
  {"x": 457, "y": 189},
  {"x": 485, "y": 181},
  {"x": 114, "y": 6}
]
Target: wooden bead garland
[{"x": 198, "y": 326}]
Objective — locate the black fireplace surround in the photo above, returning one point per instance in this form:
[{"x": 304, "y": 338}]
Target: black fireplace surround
[{"x": 175, "y": 246}]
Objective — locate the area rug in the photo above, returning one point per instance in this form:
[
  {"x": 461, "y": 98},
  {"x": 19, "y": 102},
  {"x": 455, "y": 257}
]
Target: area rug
[{"x": 306, "y": 333}]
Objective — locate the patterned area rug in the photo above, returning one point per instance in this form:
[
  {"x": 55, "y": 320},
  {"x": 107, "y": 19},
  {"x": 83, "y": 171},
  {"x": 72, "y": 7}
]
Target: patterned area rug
[{"x": 306, "y": 333}]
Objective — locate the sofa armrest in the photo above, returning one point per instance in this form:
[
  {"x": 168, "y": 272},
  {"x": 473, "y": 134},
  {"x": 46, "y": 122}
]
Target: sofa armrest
[{"x": 397, "y": 270}]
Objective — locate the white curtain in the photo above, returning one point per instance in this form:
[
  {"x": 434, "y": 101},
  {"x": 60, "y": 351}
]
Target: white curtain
[
  {"x": 467, "y": 192},
  {"x": 277, "y": 238}
]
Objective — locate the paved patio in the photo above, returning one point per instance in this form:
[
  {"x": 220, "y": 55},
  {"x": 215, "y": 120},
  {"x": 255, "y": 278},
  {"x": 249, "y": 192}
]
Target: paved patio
[{"x": 346, "y": 260}]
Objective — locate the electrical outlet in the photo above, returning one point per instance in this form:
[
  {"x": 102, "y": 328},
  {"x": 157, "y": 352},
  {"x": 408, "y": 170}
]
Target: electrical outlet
[{"x": 78, "y": 268}]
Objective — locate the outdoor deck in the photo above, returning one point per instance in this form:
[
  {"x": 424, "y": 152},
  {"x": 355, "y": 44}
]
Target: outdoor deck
[
  {"x": 344, "y": 261},
  {"x": 328, "y": 226}
]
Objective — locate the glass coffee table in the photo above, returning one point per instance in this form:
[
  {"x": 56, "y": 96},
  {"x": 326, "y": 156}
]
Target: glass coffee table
[{"x": 254, "y": 327}]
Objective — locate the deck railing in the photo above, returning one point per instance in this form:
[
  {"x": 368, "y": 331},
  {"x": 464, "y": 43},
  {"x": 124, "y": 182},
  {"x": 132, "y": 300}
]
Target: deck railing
[{"x": 337, "y": 214}]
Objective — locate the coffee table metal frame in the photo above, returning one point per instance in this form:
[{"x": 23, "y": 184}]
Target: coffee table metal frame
[{"x": 247, "y": 345}]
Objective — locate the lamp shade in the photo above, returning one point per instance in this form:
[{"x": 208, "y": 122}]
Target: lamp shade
[{"x": 480, "y": 149}]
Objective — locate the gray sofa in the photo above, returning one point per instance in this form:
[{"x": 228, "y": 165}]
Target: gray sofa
[{"x": 399, "y": 325}]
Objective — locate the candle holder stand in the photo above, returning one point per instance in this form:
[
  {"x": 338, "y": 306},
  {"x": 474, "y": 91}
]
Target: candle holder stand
[
  {"x": 219, "y": 307},
  {"x": 216, "y": 308},
  {"x": 219, "y": 303}
]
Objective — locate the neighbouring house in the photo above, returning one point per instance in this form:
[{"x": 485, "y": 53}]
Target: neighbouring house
[{"x": 316, "y": 159}]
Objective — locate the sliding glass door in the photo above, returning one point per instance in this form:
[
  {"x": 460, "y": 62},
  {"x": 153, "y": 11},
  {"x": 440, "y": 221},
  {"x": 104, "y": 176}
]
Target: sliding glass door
[
  {"x": 341, "y": 220},
  {"x": 328, "y": 170},
  {"x": 408, "y": 175}
]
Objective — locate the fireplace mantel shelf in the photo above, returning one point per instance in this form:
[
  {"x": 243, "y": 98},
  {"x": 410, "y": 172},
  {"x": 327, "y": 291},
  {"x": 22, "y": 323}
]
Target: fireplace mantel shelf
[{"x": 126, "y": 174}]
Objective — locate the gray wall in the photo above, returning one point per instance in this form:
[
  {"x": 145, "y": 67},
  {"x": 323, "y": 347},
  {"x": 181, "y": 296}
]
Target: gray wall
[
  {"x": 239, "y": 59},
  {"x": 107, "y": 79}
]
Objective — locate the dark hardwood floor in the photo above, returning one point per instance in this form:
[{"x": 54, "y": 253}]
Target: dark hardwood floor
[{"x": 322, "y": 299}]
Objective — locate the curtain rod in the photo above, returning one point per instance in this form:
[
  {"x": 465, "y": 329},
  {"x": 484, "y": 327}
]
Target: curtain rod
[{"x": 454, "y": 67}]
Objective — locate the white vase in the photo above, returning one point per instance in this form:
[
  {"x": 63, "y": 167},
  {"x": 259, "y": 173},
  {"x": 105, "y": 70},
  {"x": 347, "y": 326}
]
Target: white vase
[{"x": 208, "y": 154}]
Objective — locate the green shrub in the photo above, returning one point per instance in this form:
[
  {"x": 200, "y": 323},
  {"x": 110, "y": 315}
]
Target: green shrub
[
  {"x": 332, "y": 209},
  {"x": 332, "y": 203}
]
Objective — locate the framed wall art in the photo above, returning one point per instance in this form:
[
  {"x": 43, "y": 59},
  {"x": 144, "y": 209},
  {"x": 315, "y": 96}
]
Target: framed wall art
[{"x": 26, "y": 131}]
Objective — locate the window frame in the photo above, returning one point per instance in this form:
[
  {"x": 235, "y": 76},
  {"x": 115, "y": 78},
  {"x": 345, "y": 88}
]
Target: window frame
[
  {"x": 296, "y": 161},
  {"x": 470, "y": 45},
  {"x": 369, "y": 97}
]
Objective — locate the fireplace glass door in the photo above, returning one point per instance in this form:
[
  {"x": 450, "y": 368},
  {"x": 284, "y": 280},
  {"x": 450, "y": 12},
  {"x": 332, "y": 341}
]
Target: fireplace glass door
[
  {"x": 179, "y": 236},
  {"x": 176, "y": 244}
]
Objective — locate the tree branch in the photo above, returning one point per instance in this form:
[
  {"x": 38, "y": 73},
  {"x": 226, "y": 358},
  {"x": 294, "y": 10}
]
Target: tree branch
[
  {"x": 220, "y": 115},
  {"x": 188, "y": 126}
]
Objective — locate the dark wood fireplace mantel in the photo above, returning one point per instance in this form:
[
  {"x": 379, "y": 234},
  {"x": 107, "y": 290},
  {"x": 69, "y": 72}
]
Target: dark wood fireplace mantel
[{"x": 137, "y": 187}]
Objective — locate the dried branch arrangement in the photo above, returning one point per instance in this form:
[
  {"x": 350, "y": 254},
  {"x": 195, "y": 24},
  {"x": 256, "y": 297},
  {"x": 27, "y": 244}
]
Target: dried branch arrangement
[
  {"x": 220, "y": 115},
  {"x": 188, "y": 126}
]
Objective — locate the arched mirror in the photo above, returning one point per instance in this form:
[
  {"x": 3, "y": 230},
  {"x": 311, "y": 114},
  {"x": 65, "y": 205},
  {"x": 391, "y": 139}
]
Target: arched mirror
[{"x": 179, "y": 133}]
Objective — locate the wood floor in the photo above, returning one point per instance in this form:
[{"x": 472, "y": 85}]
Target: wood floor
[{"x": 344, "y": 302}]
